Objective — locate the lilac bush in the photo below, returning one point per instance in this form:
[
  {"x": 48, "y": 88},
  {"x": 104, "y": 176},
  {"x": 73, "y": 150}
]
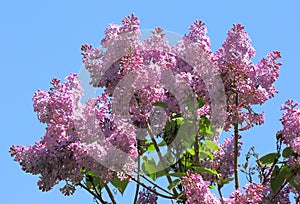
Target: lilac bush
[{"x": 171, "y": 101}]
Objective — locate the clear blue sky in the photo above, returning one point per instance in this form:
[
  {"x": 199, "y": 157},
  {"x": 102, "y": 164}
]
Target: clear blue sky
[{"x": 42, "y": 39}]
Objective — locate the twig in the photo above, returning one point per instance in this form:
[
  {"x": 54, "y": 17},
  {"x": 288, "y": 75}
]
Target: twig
[
  {"x": 153, "y": 191},
  {"x": 160, "y": 156},
  {"x": 138, "y": 178},
  {"x": 92, "y": 193},
  {"x": 220, "y": 193},
  {"x": 155, "y": 185},
  {"x": 96, "y": 191},
  {"x": 111, "y": 196},
  {"x": 265, "y": 177},
  {"x": 236, "y": 148},
  {"x": 196, "y": 147},
  {"x": 270, "y": 171}
]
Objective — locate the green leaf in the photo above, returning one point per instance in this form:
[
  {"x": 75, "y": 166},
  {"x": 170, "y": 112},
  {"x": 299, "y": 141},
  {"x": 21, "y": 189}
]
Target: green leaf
[
  {"x": 160, "y": 104},
  {"x": 149, "y": 167},
  {"x": 175, "y": 183},
  {"x": 164, "y": 170},
  {"x": 211, "y": 145},
  {"x": 160, "y": 174},
  {"x": 92, "y": 180},
  {"x": 287, "y": 152},
  {"x": 120, "y": 185},
  {"x": 162, "y": 143},
  {"x": 205, "y": 170},
  {"x": 178, "y": 174},
  {"x": 186, "y": 162},
  {"x": 225, "y": 181},
  {"x": 91, "y": 173},
  {"x": 191, "y": 152},
  {"x": 212, "y": 187},
  {"x": 89, "y": 184},
  {"x": 178, "y": 120},
  {"x": 151, "y": 147},
  {"x": 99, "y": 185},
  {"x": 180, "y": 195},
  {"x": 278, "y": 178},
  {"x": 206, "y": 154},
  {"x": 205, "y": 127},
  {"x": 201, "y": 102},
  {"x": 269, "y": 158}
]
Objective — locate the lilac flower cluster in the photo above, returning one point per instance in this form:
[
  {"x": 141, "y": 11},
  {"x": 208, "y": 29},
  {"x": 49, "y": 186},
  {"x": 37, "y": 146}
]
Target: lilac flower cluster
[
  {"x": 53, "y": 157},
  {"x": 291, "y": 125},
  {"x": 73, "y": 138},
  {"x": 223, "y": 160},
  {"x": 253, "y": 195},
  {"x": 147, "y": 197},
  {"x": 196, "y": 190},
  {"x": 245, "y": 84},
  {"x": 290, "y": 136}
]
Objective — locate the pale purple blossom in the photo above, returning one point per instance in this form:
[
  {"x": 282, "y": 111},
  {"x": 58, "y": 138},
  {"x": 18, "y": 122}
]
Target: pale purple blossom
[
  {"x": 196, "y": 190},
  {"x": 253, "y": 195},
  {"x": 147, "y": 197}
]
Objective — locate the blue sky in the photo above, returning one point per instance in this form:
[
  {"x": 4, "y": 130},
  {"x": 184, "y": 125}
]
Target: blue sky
[{"x": 42, "y": 39}]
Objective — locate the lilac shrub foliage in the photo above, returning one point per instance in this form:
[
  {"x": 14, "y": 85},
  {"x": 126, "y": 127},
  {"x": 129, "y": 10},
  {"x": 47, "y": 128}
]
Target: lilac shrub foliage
[{"x": 90, "y": 145}]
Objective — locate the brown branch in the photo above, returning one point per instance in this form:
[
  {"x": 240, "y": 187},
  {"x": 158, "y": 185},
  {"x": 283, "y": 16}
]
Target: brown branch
[
  {"x": 138, "y": 178},
  {"x": 111, "y": 196},
  {"x": 236, "y": 148},
  {"x": 196, "y": 147},
  {"x": 150, "y": 189},
  {"x": 92, "y": 193},
  {"x": 220, "y": 193},
  {"x": 154, "y": 184}
]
